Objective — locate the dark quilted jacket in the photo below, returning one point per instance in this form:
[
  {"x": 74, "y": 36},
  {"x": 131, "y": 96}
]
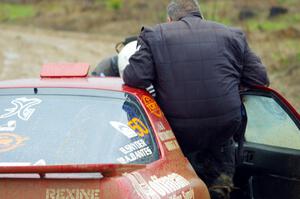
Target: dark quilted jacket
[{"x": 196, "y": 67}]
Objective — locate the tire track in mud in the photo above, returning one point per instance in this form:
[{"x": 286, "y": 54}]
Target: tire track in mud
[{"x": 23, "y": 50}]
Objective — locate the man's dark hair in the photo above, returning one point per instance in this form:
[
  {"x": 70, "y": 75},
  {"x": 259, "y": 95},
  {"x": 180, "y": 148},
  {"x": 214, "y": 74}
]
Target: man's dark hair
[{"x": 180, "y": 8}]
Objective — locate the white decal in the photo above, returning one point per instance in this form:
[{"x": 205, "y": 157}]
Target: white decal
[
  {"x": 134, "y": 151},
  {"x": 38, "y": 163},
  {"x": 41, "y": 162},
  {"x": 7, "y": 164},
  {"x": 124, "y": 129},
  {"x": 10, "y": 126},
  {"x": 167, "y": 135},
  {"x": 23, "y": 108},
  {"x": 184, "y": 195},
  {"x": 172, "y": 145},
  {"x": 160, "y": 126},
  {"x": 141, "y": 186},
  {"x": 160, "y": 187}
]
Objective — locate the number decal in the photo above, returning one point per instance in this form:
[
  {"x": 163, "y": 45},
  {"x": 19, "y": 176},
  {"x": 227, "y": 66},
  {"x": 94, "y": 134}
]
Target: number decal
[{"x": 138, "y": 126}]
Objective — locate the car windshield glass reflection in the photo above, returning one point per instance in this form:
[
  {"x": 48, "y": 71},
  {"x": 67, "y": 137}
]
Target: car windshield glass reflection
[{"x": 67, "y": 129}]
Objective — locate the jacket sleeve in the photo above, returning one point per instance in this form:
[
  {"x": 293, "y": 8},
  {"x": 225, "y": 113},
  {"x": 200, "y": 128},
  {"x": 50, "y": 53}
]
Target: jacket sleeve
[
  {"x": 254, "y": 73},
  {"x": 140, "y": 72}
]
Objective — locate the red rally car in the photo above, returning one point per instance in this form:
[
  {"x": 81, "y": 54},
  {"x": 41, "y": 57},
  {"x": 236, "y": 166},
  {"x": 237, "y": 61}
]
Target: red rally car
[
  {"x": 70, "y": 136},
  {"x": 67, "y": 136}
]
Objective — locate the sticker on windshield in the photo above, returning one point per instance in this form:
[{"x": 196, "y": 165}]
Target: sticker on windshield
[
  {"x": 9, "y": 164},
  {"x": 124, "y": 129},
  {"x": 152, "y": 106},
  {"x": 134, "y": 151},
  {"x": 138, "y": 126},
  {"x": 41, "y": 162},
  {"x": 9, "y": 127},
  {"x": 23, "y": 108},
  {"x": 10, "y": 141}
]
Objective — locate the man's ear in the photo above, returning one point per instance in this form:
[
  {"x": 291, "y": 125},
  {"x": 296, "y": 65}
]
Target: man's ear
[{"x": 169, "y": 20}]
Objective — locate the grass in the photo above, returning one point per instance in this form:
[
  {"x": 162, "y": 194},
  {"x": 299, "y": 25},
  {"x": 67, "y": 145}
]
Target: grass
[
  {"x": 254, "y": 25},
  {"x": 11, "y": 12},
  {"x": 288, "y": 2},
  {"x": 114, "y": 4},
  {"x": 275, "y": 24},
  {"x": 218, "y": 11}
]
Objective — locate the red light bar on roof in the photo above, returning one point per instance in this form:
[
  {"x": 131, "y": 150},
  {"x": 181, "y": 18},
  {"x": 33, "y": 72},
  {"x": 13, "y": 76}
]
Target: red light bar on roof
[{"x": 66, "y": 70}]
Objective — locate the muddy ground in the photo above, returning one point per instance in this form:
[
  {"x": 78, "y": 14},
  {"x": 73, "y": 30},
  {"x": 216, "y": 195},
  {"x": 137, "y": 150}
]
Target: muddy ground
[{"x": 24, "y": 50}]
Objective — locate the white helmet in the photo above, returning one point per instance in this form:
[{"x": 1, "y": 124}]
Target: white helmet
[{"x": 124, "y": 55}]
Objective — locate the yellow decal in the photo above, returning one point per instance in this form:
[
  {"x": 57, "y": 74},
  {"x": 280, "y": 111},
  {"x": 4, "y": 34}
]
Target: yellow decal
[
  {"x": 138, "y": 126},
  {"x": 152, "y": 106},
  {"x": 72, "y": 194},
  {"x": 10, "y": 141}
]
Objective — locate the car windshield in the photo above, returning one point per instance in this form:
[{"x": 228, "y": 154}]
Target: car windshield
[{"x": 65, "y": 126}]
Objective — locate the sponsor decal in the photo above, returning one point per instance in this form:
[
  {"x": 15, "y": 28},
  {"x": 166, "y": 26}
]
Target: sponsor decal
[
  {"x": 10, "y": 141},
  {"x": 157, "y": 188},
  {"x": 134, "y": 151},
  {"x": 9, "y": 127},
  {"x": 138, "y": 126},
  {"x": 184, "y": 195},
  {"x": 38, "y": 163},
  {"x": 124, "y": 129},
  {"x": 172, "y": 145},
  {"x": 41, "y": 162},
  {"x": 152, "y": 106},
  {"x": 166, "y": 135},
  {"x": 134, "y": 128},
  {"x": 72, "y": 194},
  {"x": 23, "y": 108},
  {"x": 160, "y": 126}
]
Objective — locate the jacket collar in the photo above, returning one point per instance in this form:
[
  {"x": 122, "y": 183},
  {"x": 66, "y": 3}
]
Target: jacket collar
[{"x": 193, "y": 14}]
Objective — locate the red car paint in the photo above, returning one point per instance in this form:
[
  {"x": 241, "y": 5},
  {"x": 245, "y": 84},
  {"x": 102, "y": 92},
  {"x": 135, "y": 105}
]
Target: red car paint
[
  {"x": 171, "y": 176},
  {"x": 64, "y": 70}
]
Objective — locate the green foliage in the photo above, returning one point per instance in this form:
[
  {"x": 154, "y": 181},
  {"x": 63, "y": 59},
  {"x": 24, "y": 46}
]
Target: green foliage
[
  {"x": 270, "y": 25},
  {"x": 219, "y": 11},
  {"x": 295, "y": 18},
  {"x": 15, "y": 11},
  {"x": 288, "y": 2},
  {"x": 278, "y": 23},
  {"x": 298, "y": 56},
  {"x": 114, "y": 4}
]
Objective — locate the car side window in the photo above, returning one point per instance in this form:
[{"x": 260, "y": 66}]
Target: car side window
[{"x": 269, "y": 123}]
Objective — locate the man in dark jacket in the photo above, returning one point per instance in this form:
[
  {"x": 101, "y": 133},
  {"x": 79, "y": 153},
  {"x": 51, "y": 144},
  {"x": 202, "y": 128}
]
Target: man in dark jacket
[{"x": 196, "y": 67}]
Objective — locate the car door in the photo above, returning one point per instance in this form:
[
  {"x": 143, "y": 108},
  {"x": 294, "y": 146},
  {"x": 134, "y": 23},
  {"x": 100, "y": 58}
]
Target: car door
[{"x": 271, "y": 156}]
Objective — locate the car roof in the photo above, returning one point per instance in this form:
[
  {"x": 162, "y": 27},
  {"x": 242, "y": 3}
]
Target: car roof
[{"x": 102, "y": 83}]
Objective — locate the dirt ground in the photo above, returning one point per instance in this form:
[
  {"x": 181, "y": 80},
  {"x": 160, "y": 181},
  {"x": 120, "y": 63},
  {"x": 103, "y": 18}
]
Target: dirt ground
[{"x": 24, "y": 50}]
